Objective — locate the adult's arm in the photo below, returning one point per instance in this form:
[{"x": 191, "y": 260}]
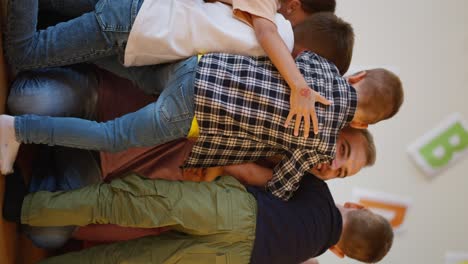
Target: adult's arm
[{"x": 250, "y": 173}]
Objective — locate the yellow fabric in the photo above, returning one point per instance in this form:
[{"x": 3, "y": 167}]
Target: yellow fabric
[{"x": 194, "y": 129}]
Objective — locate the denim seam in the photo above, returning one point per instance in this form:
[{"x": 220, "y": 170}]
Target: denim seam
[
  {"x": 184, "y": 115},
  {"x": 113, "y": 28},
  {"x": 17, "y": 128}
]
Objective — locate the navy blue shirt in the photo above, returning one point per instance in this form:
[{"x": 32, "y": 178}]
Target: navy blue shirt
[{"x": 294, "y": 231}]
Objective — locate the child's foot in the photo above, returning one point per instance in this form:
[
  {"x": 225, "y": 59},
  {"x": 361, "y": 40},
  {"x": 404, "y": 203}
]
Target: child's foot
[
  {"x": 8, "y": 144},
  {"x": 15, "y": 191}
]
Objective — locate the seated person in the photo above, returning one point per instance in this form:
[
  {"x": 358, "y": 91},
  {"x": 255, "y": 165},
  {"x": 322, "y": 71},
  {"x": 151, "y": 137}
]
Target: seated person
[
  {"x": 96, "y": 94},
  {"x": 210, "y": 221}
]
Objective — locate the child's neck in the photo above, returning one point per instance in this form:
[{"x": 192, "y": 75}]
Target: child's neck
[{"x": 359, "y": 114}]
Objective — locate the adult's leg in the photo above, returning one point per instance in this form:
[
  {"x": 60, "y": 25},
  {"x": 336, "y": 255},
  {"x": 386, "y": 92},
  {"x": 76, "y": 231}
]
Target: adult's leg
[
  {"x": 169, "y": 118},
  {"x": 93, "y": 35},
  {"x": 67, "y": 91},
  {"x": 222, "y": 212},
  {"x": 169, "y": 248},
  {"x": 195, "y": 208},
  {"x": 55, "y": 91}
]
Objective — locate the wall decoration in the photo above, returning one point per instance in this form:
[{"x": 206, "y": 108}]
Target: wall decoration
[
  {"x": 441, "y": 147},
  {"x": 394, "y": 208}
]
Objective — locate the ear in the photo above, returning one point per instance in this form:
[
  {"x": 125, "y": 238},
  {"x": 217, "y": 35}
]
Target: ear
[
  {"x": 353, "y": 205},
  {"x": 337, "y": 251},
  {"x": 355, "y": 78},
  {"x": 358, "y": 125}
]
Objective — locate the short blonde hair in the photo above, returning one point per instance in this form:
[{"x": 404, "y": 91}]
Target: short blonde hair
[{"x": 384, "y": 95}]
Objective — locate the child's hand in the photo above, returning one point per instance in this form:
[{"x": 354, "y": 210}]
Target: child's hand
[{"x": 303, "y": 106}]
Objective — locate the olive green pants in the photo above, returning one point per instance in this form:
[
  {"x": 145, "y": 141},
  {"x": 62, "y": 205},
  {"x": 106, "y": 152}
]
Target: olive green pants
[{"x": 214, "y": 222}]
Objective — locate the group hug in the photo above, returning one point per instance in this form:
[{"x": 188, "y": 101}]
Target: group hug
[{"x": 205, "y": 131}]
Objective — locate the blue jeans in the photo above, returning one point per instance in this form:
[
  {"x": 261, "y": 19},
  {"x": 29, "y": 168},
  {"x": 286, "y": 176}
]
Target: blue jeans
[
  {"x": 71, "y": 91},
  {"x": 167, "y": 119},
  {"x": 93, "y": 35},
  {"x": 68, "y": 8},
  {"x": 58, "y": 92}
]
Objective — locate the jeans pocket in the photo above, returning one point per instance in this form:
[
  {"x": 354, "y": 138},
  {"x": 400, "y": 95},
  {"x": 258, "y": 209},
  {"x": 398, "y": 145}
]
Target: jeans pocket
[
  {"x": 115, "y": 16},
  {"x": 174, "y": 106}
]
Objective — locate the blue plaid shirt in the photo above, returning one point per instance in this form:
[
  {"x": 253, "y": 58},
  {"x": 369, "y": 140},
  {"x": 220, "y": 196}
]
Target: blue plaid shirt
[{"x": 241, "y": 104}]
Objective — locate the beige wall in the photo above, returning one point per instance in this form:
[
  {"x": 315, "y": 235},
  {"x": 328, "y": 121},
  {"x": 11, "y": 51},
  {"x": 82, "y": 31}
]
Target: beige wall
[{"x": 427, "y": 42}]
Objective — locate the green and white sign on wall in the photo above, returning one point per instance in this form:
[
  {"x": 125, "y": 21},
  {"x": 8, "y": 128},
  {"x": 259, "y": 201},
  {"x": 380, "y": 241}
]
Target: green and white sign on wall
[{"x": 442, "y": 146}]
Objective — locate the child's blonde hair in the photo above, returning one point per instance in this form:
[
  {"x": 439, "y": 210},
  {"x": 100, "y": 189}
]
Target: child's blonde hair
[{"x": 382, "y": 95}]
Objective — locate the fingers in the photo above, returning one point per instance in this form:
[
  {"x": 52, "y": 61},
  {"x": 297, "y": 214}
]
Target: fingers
[
  {"x": 288, "y": 119},
  {"x": 320, "y": 99},
  {"x": 297, "y": 124},
  {"x": 298, "y": 120},
  {"x": 307, "y": 126},
  {"x": 313, "y": 115}
]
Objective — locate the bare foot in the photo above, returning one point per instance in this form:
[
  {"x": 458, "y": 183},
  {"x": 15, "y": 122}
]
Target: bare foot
[{"x": 8, "y": 144}]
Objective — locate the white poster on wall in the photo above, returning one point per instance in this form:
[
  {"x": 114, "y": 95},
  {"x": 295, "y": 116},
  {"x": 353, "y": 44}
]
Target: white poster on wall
[
  {"x": 456, "y": 258},
  {"x": 441, "y": 147},
  {"x": 393, "y": 207}
]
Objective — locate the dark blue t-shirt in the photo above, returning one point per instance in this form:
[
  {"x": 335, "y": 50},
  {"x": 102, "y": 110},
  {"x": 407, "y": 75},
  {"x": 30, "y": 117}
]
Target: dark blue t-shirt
[{"x": 294, "y": 231}]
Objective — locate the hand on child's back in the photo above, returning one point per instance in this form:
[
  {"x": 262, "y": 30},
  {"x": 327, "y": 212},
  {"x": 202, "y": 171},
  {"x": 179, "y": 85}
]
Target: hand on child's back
[{"x": 302, "y": 103}]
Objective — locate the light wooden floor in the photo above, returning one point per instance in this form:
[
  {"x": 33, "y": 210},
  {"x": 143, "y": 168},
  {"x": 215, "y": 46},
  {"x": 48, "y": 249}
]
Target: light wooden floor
[{"x": 14, "y": 249}]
